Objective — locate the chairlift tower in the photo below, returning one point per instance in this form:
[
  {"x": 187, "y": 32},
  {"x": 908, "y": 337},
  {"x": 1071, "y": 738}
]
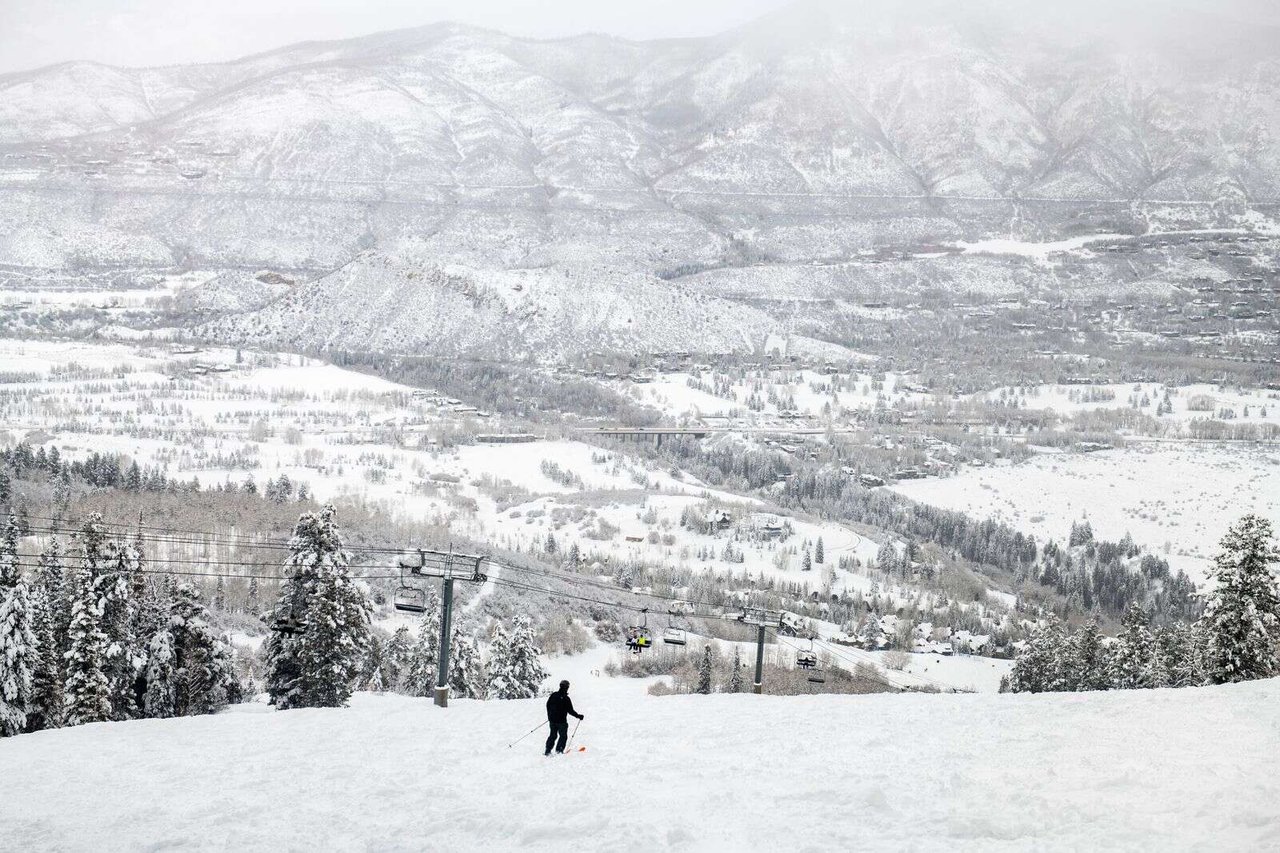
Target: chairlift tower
[
  {"x": 762, "y": 619},
  {"x": 447, "y": 566}
]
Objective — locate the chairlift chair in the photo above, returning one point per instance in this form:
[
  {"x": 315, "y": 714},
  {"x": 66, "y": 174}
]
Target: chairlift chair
[
  {"x": 638, "y": 635},
  {"x": 817, "y": 676},
  {"x": 410, "y": 600},
  {"x": 806, "y": 660},
  {"x": 674, "y": 637}
]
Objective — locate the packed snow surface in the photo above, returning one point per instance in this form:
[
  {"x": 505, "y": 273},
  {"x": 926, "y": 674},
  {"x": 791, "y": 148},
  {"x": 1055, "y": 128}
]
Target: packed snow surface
[{"x": 1153, "y": 770}]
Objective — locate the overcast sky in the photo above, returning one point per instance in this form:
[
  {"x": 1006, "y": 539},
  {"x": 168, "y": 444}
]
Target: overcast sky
[{"x": 159, "y": 32}]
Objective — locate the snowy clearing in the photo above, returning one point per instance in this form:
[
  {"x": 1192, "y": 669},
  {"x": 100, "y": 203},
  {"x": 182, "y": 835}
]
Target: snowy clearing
[
  {"x": 1124, "y": 770},
  {"x": 1181, "y": 494}
]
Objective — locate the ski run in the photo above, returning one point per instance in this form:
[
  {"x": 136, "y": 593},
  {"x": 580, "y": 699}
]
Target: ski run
[{"x": 1189, "y": 769}]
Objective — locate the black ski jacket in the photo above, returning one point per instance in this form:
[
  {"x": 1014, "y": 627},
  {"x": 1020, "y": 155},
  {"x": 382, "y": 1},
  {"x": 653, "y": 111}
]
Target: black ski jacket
[{"x": 560, "y": 708}]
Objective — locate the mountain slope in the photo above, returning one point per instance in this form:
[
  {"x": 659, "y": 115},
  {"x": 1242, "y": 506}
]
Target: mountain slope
[
  {"x": 403, "y": 304},
  {"x": 1103, "y": 771}
]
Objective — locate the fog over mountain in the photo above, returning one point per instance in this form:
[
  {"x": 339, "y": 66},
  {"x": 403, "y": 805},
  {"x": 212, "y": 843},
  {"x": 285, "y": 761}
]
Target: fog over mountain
[{"x": 817, "y": 135}]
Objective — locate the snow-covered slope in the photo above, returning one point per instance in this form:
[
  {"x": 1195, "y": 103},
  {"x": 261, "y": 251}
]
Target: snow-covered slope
[
  {"x": 405, "y": 305},
  {"x": 1137, "y": 770}
]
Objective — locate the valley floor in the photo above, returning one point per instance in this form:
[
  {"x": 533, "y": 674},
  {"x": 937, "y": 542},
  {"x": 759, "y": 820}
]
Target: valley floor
[{"x": 1140, "y": 770}]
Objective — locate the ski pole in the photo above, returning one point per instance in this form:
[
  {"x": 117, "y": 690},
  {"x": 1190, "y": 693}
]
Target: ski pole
[
  {"x": 575, "y": 732},
  {"x": 525, "y": 735}
]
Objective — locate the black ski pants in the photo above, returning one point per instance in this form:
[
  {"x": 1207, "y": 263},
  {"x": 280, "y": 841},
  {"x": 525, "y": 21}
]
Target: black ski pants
[{"x": 559, "y": 734}]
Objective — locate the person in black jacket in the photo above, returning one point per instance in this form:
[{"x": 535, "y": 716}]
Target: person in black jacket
[{"x": 559, "y": 710}]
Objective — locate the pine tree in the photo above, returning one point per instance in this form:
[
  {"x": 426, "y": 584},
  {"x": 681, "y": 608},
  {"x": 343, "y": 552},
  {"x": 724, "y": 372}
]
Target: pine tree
[
  {"x": 1088, "y": 663},
  {"x": 375, "y": 661},
  {"x": 316, "y": 665},
  {"x": 498, "y": 666},
  {"x": 160, "y": 700},
  {"x": 44, "y": 711},
  {"x": 87, "y": 692},
  {"x": 202, "y": 673},
  {"x": 1133, "y": 662},
  {"x": 819, "y": 555},
  {"x": 1242, "y": 617},
  {"x": 871, "y": 632},
  {"x": 424, "y": 658},
  {"x": 19, "y": 652},
  {"x": 52, "y": 576},
  {"x": 466, "y": 672},
  {"x": 397, "y": 659},
  {"x": 124, "y": 659},
  {"x": 1178, "y": 656},
  {"x": 220, "y": 595},
  {"x": 252, "y": 602},
  {"x": 887, "y": 558},
  {"x": 550, "y": 545},
  {"x": 704, "y": 671},
  {"x": 515, "y": 671},
  {"x": 735, "y": 677},
  {"x": 805, "y": 563},
  {"x": 1040, "y": 667}
]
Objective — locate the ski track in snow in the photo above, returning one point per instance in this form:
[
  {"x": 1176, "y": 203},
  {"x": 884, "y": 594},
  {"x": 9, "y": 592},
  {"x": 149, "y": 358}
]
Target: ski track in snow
[{"x": 1153, "y": 770}]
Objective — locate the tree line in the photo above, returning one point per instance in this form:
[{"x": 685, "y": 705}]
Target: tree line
[{"x": 1236, "y": 639}]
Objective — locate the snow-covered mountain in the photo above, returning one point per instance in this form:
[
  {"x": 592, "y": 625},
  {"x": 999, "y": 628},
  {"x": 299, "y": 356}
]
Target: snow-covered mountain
[{"x": 821, "y": 131}]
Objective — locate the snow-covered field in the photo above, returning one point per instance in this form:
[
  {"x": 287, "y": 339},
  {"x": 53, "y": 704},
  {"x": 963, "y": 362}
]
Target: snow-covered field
[
  {"x": 344, "y": 433},
  {"x": 1135, "y": 770},
  {"x": 1182, "y": 495}
]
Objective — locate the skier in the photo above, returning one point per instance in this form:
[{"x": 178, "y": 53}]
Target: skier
[{"x": 559, "y": 709}]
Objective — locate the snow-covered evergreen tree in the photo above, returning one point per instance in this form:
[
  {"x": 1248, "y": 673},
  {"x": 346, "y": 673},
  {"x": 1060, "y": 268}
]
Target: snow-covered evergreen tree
[
  {"x": 253, "y": 603},
  {"x": 424, "y": 657},
  {"x": 1134, "y": 658},
  {"x": 161, "y": 699},
  {"x": 86, "y": 692},
  {"x": 397, "y": 659},
  {"x": 705, "y": 668},
  {"x": 52, "y": 576},
  {"x": 871, "y": 633},
  {"x": 819, "y": 555},
  {"x": 515, "y": 669},
  {"x": 19, "y": 653},
  {"x": 124, "y": 658},
  {"x": 735, "y": 677},
  {"x": 203, "y": 679},
  {"x": 1242, "y": 617},
  {"x": 498, "y": 666},
  {"x": 317, "y": 664},
  {"x": 1087, "y": 660},
  {"x": 1041, "y": 665},
  {"x": 466, "y": 672},
  {"x": 44, "y": 711},
  {"x": 887, "y": 557}
]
